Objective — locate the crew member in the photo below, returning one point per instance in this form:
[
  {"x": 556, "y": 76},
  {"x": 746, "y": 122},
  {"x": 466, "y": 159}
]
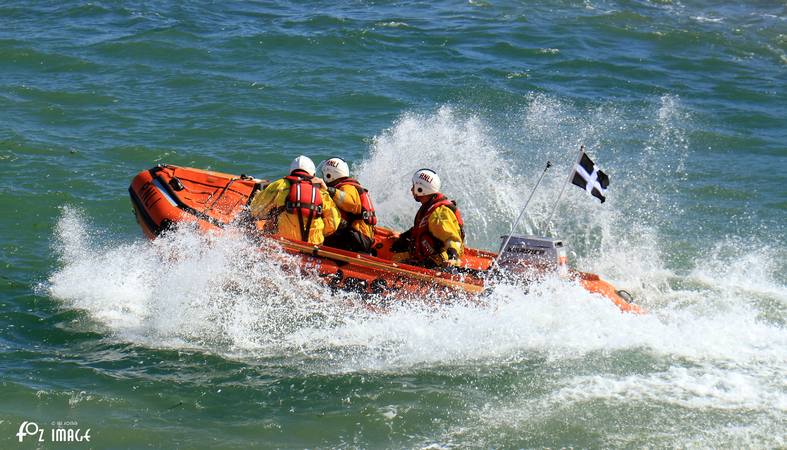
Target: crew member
[
  {"x": 297, "y": 206},
  {"x": 356, "y": 231},
  {"x": 437, "y": 235}
]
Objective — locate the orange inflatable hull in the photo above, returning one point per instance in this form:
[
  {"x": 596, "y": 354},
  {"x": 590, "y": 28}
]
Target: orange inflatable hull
[{"x": 166, "y": 195}]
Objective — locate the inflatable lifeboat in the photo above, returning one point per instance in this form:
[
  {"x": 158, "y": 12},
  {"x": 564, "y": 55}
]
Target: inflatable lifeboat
[{"x": 167, "y": 195}]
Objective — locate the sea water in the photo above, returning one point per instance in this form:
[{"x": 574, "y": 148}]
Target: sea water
[{"x": 205, "y": 341}]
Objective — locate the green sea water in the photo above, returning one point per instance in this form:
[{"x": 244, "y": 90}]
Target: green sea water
[{"x": 182, "y": 343}]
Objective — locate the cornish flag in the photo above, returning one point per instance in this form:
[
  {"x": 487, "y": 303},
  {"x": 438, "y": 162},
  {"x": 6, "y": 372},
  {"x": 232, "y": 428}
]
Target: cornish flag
[{"x": 587, "y": 176}]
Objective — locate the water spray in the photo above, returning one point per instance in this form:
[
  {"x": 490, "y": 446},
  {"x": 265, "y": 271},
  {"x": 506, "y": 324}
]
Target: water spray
[{"x": 563, "y": 189}]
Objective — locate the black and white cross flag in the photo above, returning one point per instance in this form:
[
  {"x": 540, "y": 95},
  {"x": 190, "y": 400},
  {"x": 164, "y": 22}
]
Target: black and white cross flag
[{"x": 587, "y": 176}]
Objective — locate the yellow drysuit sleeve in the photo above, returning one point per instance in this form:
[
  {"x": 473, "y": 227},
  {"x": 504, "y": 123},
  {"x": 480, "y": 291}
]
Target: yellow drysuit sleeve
[
  {"x": 274, "y": 195},
  {"x": 444, "y": 226},
  {"x": 348, "y": 200},
  {"x": 330, "y": 214}
]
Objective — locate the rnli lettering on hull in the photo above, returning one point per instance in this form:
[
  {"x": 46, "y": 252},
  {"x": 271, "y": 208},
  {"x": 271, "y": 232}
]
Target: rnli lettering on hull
[
  {"x": 146, "y": 195},
  {"x": 148, "y": 190},
  {"x": 164, "y": 192}
]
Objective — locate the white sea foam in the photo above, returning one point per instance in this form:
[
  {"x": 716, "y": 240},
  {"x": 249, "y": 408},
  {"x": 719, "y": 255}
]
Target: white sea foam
[
  {"x": 664, "y": 395},
  {"x": 222, "y": 294},
  {"x": 744, "y": 269},
  {"x": 708, "y": 19},
  {"x": 692, "y": 388},
  {"x": 392, "y": 24},
  {"x": 186, "y": 289}
]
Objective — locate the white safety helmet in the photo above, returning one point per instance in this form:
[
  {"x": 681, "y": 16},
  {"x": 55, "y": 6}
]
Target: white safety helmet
[
  {"x": 334, "y": 169},
  {"x": 303, "y": 163},
  {"x": 426, "y": 182}
]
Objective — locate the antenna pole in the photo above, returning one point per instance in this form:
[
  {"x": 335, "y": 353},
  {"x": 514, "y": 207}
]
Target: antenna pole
[
  {"x": 522, "y": 213},
  {"x": 554, "y": 207}
]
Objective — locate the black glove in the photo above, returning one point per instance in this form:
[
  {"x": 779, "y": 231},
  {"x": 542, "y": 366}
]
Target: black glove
[
  {"x": 402, "y": 243},
  {"x": 453, "y": 257}
]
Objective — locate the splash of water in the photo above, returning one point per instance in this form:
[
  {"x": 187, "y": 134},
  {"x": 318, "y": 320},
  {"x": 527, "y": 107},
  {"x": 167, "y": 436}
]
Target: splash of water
[
  {"x": 490, "y": 170},
  {"x": 188, "y": 289},
  {"x": 462, "y": 151},
  {"x": 229, "y": 295}
]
